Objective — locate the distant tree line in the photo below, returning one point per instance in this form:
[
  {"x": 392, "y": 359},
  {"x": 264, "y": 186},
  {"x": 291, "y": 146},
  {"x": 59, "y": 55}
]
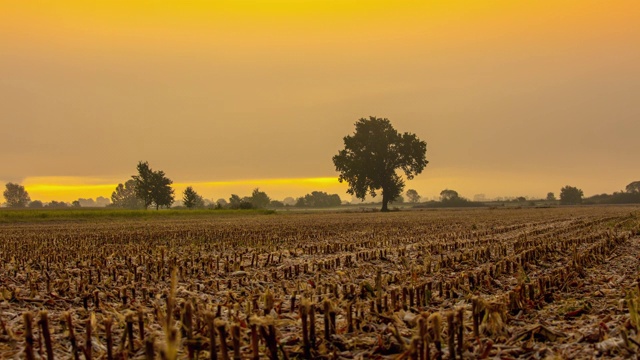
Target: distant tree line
[
  {"x": 631, "y": 195},
  {"x": 16, "y": 196},
  {"x": 319, "y": 199},
  {"x": 149, "y": 188},
  {"x": 153, "y": 188},
  {"x": 450, "y": 198}
]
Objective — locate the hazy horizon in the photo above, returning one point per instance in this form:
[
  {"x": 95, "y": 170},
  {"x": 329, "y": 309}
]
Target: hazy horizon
[{"x": 512, "y": 98}]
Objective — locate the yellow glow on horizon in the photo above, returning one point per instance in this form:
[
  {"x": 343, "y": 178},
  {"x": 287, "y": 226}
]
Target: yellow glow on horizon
[
  {"x": 72, "y": 188},
  {"x": 290, "y": 181}
]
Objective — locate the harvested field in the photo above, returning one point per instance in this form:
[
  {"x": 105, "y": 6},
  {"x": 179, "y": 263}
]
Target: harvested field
[{"x": 518, "y": 283}]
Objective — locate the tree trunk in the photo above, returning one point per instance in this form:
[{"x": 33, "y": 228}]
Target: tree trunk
[{"x": 385, "y": 202}]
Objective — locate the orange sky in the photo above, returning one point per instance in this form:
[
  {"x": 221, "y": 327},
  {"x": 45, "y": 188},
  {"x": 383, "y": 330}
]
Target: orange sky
[{"x": 513, "y": 97}]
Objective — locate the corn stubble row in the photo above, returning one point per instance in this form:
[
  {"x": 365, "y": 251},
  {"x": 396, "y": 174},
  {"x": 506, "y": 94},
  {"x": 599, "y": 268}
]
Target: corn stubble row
[{"x": 418, "y": 285}]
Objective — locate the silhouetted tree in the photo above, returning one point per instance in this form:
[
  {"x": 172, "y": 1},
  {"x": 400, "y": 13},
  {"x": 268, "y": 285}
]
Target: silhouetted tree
[
  {"x": 373, "y": 154},
  {"x": 570, "y": 195},
  {"x": 413, "y": 196},
  {"x": 551, "y": 196},
  {"x": 76, "y": 203},
  {"x": 448, "y": 195},
  {"x": 153, "y": 187},
  {"x": 125, "y": 197},
  {"x": 246, "y": 203},
  {"x": 36, "y": 204},
  {"x": 191, "y": 199},
  {"x": 235, "y": 201},
  {"x": 16, "y": 196},
  {"x": 633, "y": 187},
  {"x": 259, "y": 199}
]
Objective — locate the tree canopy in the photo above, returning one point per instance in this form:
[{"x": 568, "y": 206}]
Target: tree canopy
[
  {"x": 373, "y": 154},
  {"x": 449, "y": 195},
  {"x": 633, "y": 187},
  {"x": 259, "y": 199},
  {"x": 570, "y": 195},
  {"x": 153, "y": 187},
  {"x": 16, "y": 196},
  {"x": 36, "y": 204},
  {"x": 551, "y": 196}
]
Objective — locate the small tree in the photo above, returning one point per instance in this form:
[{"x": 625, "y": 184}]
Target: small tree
[
  {"x": 153, "y": 187},
  {"x": 372, "y": 156},
  {"x": 570, "y": 195},
  {"x": 36, "y": 204},
  {"x": 191, "y": 199},
  {"x": 235, "y": 201},
  {"x": 413, "y": 196},
  {"x": 449, "y": 195},
  {"x": 259, "y": 199},
  {"x": 16, "y": 196},
  {"x": 551, "y": 196},
  {"x": 634, "y": 187}
]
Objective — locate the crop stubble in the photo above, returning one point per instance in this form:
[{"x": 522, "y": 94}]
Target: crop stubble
[{"x": 414, "y": 284}]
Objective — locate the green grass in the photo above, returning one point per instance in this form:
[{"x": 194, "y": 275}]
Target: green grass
[{"x": 74, "y": 214}]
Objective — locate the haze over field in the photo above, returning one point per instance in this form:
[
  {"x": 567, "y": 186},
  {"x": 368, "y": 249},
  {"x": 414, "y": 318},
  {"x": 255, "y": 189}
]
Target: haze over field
[{"x": 512, "y": 97}]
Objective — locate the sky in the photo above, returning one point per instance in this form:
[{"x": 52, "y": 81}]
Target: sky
[{"x": 514, "y": 98}]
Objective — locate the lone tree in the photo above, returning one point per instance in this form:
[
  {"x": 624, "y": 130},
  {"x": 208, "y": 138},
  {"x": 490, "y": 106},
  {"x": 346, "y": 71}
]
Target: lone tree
[
  {"x": 413, "y": 196},
  {"x": 191, "y": 199},
  {"x": 125, "y": 197},
  {"x": 551, "y": 197},
  {"x": 570, "y": 195},
  {"x": 16, "y": 196},
  {"x": 373, "y": 154},
  {"x": 153, "y": 187}
]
